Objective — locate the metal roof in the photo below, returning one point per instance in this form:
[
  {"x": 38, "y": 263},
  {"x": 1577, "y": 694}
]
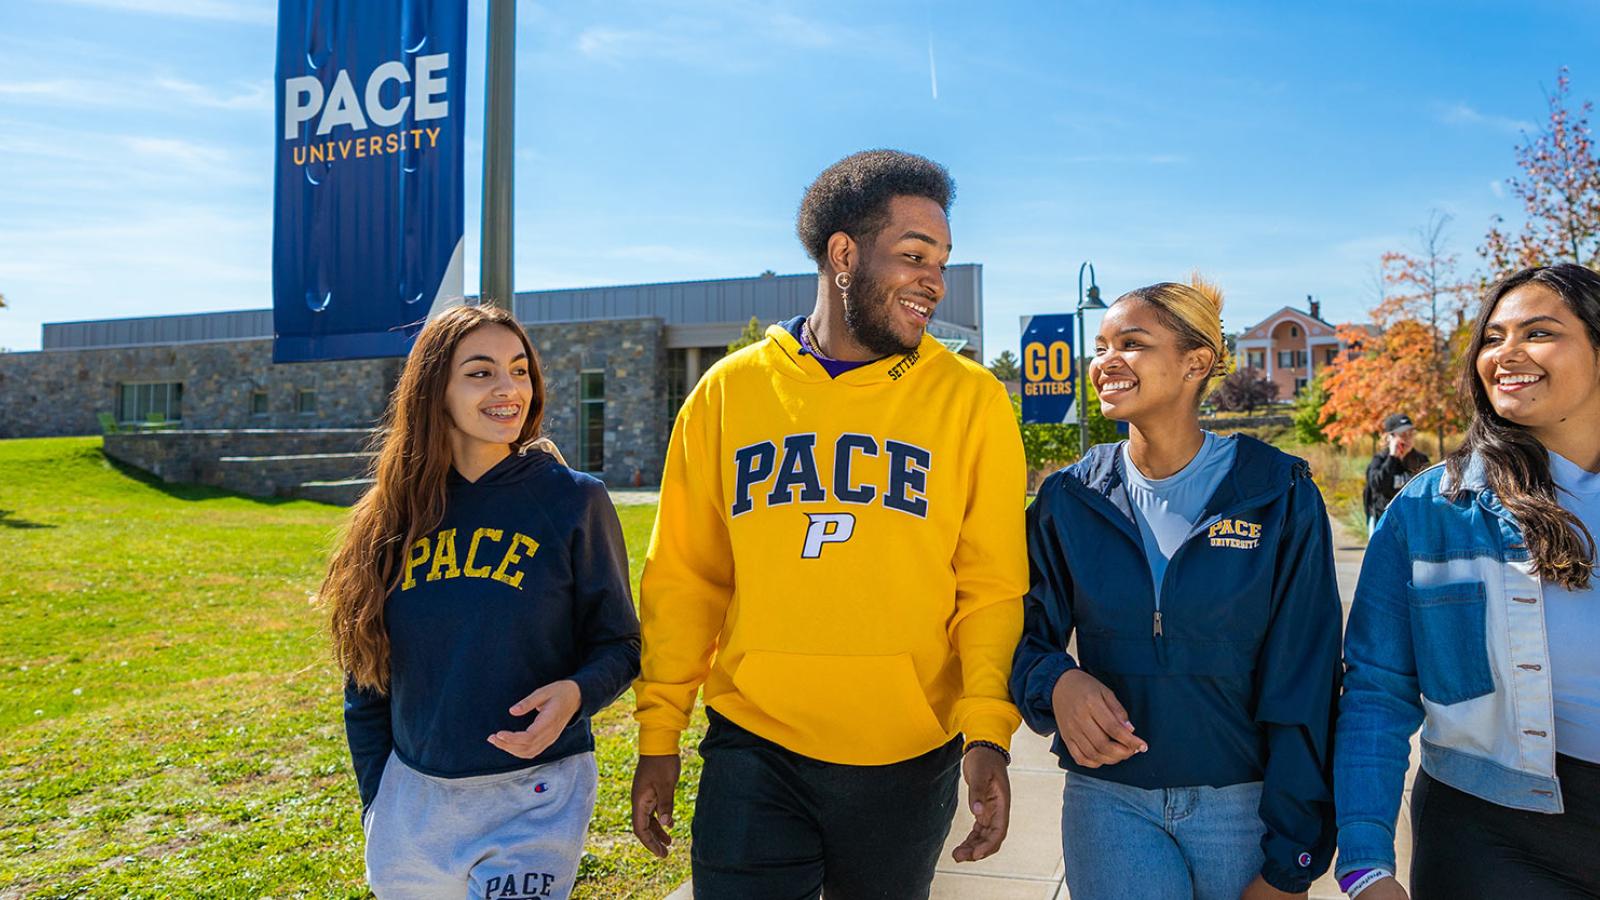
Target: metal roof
[
  {"x": 768, "y": 298},
  {"x": 765, "y": 297}
]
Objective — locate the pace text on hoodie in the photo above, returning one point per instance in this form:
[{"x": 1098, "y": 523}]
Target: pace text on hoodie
[
  {"x": 840, "y": 561},
  {"x": 522, "y": 583},
  {"x": 1240, "y": 683}
]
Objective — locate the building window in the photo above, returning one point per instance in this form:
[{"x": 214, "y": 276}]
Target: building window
[
  {"x": 679, "y": 370},
  {"x": 1294, "y": 331},
  {"x": 161, "y": 402},
  {"x": 592, "y": 421},
  {"x": 1332, "y": 355},
  {"x": 1256, "y": 359},
  {"x": 1299, "y": 385},
  {"x": 258, "y": 403},
  {"x": 305, "y": 402},
  {"x": 677, "y": 378},
  {"x": 1291, "y": 359}
]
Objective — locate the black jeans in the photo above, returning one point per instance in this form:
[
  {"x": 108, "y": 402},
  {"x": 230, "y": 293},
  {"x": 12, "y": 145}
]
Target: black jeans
[
  {"x": 770, "y": 824},
  {"x": 1468, "y": 848}
]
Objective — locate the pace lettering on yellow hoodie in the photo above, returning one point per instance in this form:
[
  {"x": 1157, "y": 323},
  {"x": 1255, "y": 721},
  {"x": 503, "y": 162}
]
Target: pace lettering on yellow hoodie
[{"x": 840, "y": 562}]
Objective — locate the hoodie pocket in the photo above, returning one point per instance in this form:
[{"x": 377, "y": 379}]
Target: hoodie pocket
[
  {"x": 874, "y": 701},
  {"x": 1449, "y": 634}
]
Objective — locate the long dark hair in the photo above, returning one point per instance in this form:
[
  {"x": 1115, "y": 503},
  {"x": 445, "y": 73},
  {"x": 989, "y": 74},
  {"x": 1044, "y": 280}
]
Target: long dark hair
[
  {"x": 408, "y": 495},
  {"x": 1517, "y": 465}
]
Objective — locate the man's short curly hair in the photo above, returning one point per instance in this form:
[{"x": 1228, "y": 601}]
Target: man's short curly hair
[{"x": 853, "y": 194}]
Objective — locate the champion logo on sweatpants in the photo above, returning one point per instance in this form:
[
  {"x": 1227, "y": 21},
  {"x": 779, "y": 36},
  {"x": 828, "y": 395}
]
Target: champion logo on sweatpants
[{"x": 541, "y": 787}]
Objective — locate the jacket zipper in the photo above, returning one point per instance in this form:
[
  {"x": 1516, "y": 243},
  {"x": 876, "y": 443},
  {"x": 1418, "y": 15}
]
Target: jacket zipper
[{"x": 1157, "y": 630}]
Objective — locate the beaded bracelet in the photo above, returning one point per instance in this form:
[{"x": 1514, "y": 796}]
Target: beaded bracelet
[{"x": 992, "y": 746}]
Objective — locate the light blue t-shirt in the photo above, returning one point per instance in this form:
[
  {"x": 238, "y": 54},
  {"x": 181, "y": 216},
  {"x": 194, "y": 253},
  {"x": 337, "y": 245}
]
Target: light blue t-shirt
[
  {"x": 1572, "y": 621},
  {"x": 1166, "y": 509}
]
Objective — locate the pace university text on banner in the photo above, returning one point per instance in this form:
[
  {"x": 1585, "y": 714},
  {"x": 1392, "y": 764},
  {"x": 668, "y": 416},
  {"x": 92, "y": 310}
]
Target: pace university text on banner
[{"x": 369, "y": 213}]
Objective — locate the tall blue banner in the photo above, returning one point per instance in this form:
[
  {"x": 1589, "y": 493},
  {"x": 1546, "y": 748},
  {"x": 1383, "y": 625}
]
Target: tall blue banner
[
  {"x": 367, "y": 235},
  {"x": 1048, "y": 370}
]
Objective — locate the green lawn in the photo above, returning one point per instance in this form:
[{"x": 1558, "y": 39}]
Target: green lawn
[{"x": 169, "y": 719}]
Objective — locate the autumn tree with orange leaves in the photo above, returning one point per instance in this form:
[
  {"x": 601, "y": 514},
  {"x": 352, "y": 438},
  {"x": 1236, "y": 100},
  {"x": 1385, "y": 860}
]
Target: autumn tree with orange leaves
[
  {"x": 1560, "y": 193},
  {"x": 1408, "y": 365}
]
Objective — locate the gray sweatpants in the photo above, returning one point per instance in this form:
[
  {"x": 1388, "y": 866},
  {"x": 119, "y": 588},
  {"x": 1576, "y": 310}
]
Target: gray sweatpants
[{"x": 512, "y": 836}]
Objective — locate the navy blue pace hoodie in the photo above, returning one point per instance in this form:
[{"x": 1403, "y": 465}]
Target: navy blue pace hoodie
[
  {"x": 1241, "y": 682},
  {"x": 524, "y": 582}
]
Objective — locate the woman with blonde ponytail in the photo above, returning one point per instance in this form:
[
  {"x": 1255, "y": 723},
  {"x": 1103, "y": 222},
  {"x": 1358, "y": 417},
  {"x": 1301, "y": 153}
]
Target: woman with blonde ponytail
[
  {"x": 481, "y": 614},
  {"x": 1197, "y": 573}
]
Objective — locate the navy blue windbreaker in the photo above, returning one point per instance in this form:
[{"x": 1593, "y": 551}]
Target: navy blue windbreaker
[{"x": 1241, "y": 682}]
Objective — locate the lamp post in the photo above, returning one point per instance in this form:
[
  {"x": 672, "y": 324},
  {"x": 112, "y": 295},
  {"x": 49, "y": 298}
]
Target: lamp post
[
  {"x": 499, "y": 114},
  {"x": 1091, "y": 301}
]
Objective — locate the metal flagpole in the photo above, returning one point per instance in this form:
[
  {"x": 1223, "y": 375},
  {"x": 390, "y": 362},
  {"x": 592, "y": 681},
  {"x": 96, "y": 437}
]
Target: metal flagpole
[{"x": 495, "y": 240}]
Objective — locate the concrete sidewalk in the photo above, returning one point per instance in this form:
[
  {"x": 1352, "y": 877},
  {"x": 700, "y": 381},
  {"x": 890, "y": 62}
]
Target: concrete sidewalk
[{"x": 1029, "y": 866}]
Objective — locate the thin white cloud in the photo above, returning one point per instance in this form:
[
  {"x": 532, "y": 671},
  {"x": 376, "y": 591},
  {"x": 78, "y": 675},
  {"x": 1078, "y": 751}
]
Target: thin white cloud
[
  {"x": 80, "y": 166},
  {"x": 795, "y": 30},
  {"x": 159, "y": 93},
  {"x": 251, "y": 97},
  {"x": 179, "y": 153},
  {"x": 245, "y": 12},
  {"x": 1462, "y": 114},
  {"x": 55, "y": 90},
  {"x": 1497, "y": 188},
  {"x": 617, "y": 45}
]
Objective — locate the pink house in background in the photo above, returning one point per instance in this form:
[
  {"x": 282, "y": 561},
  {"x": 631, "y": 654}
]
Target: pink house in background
[{"x": 1290, "y": 347}]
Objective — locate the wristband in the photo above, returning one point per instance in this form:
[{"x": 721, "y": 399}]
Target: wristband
[
  {"x": 992, "y": 746},
  {"x": 1361, "y": 879}
]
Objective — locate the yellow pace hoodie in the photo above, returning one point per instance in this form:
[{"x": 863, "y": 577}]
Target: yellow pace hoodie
[{"x": 840, "y": 562}]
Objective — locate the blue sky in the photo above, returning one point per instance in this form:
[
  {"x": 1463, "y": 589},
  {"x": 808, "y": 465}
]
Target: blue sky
[{"x": 1278, "y": 147}]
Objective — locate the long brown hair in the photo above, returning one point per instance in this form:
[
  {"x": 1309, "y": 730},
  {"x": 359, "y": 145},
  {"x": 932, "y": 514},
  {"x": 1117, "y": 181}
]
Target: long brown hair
[
  {"x": 1517, "y": 465},
  {"x": 408, "y": 496}
]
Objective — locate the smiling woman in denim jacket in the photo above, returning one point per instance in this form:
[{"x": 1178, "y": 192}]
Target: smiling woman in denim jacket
[
  {"x": 1197, "y": 574},
  {"x": 1477, "y": 616}
]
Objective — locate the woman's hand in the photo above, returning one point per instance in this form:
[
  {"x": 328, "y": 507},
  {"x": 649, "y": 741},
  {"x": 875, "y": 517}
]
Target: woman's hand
[
  {"x": 556, "y": 704},
  {"x": 1093, "y": 725}
]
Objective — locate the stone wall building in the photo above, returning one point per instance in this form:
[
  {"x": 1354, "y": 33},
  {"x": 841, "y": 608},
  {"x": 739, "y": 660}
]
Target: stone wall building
[{"x": 617, "y": 361}]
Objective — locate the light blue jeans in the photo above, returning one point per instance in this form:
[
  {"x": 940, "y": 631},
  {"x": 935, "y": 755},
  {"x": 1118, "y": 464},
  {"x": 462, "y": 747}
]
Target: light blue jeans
[{"x": 1190, "y": 843}]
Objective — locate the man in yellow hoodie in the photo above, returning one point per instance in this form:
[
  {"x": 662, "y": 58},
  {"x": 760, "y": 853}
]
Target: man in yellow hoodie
[{"x": 839, "y": 560}]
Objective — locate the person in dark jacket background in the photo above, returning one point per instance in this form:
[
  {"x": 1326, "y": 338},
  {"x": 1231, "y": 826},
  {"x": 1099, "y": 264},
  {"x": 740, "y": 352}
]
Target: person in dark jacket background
[
  {"x": 1197, "y": 571},
  {"x": 1397, "y": 463},
  {"x": 481, "y": 614}
]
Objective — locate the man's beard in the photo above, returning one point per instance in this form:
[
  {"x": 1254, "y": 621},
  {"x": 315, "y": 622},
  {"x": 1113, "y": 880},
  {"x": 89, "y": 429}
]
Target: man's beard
[{"x": 868, "y": 315}]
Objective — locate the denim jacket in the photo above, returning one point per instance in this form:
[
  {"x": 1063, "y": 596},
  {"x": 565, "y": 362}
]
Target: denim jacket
[{"x": 1447, "y": 631}]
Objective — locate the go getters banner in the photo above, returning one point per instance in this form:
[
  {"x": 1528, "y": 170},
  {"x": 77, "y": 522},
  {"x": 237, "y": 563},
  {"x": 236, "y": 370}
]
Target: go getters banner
[{"x": 368, "y": 229}]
